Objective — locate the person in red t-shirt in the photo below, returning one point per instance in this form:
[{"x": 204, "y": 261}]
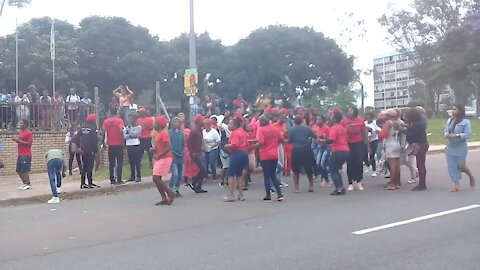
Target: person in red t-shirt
[
  {"x": 162, "y": 154},
  {"x": 337, "y": 139},
  {"x": 269, "y": 138},
  {"x": 24, "y": 159},
  {"x": 322, "y": 129},
  {"x": 113, "y": 128},
  {"x": 238, "y": 167},
  {"x": 146, "y": 136},
  {"x": 357, "y": 142}
]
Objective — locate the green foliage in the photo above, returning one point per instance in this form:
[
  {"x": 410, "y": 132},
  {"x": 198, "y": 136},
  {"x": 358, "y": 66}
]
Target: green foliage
[
  {"x": 342, "y": 98},
  {"x": 105, "y": 52}
]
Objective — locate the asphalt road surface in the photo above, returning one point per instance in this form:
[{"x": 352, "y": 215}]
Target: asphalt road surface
[{"x": 306, "y": 231}]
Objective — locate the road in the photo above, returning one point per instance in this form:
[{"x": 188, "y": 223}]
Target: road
[{"x": 306, "y": 231}]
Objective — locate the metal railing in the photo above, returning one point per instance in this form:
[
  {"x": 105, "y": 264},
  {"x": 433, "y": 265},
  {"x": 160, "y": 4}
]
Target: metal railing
[{"x": 43, "y": 116}]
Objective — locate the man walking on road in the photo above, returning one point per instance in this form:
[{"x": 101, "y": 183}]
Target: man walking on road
[
  {"x": 56, "y": 162},
  {"x": 113, "y": 127},
  {"x": 195, "y": 146},
  {"x": 89, "y": 147},
  {"x": 177, "y": 141},
  {"x": 24, "y": 160}
]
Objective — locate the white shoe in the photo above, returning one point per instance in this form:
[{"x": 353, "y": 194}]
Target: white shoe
[
  {"x": 359, "y": 186},
  {"x": 21, "y": 187},
  {"x": 54, "y": 200},
  {"x": 26, "y": 187},
  {"x": 366, "y": 171},
  {"x": 374, "y": 174},
  {"x": 59, "y": 190},
  {"x": 284, "y": 184},
  {"x": 350, "y": 188}
]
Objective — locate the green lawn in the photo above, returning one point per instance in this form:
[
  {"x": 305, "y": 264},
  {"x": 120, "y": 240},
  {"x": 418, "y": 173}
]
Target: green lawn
[
  {"x": 436, "y": 127},
  {"x": 103, "y": 174}
]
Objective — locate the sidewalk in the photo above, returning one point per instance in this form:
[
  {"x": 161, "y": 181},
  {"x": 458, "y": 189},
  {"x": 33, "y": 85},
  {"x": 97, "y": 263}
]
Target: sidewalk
[{"x": 40, "y": 193}]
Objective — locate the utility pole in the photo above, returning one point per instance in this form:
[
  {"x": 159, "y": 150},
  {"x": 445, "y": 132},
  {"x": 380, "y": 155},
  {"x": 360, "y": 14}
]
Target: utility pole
[
  {"x": 19, "y": 4},
  {"x": 192, "y": 56}
]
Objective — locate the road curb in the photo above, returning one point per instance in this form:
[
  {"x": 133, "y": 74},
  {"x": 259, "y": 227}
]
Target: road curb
[
  {"x": 78, "y": 194},
  {"x": 442, "y": 151}
]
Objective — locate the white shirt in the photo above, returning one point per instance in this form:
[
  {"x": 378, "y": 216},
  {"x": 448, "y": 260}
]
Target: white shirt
[
  {"x": 72, "y": 99},
  {"x": 211, "y": 140},
  {"x": 373, "y": 135}
]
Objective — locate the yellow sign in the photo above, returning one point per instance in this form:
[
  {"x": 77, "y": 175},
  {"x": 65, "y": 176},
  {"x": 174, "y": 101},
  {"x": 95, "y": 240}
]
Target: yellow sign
[
  {"x": 190, "y": 81},
  {"x": 190, "y": 91}
]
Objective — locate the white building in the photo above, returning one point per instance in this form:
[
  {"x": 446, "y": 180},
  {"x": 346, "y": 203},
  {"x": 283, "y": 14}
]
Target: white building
[{"x": 392, "y": 78}]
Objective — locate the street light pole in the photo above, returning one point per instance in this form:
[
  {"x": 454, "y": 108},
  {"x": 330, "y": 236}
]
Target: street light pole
[
  {"x": 16, "y": 56},
  {"x": 192, "y": 47}
]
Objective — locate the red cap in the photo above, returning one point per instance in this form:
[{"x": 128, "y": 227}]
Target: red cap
[
  {"x": 197, "y": 118},
  {"x": 162, "y": 121},
  {"x": 208, "y": 122},
  {"x": 91, "y": 118}
]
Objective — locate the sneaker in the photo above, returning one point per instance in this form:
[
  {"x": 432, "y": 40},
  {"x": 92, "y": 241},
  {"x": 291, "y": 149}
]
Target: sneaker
[
  {"x": 267, "y": 199},
  {"x": 366, "y": 171},
  {"x": 59, "y": 190},
  {"x": 241, "y": 198},
  {"x": 338, "y": 192},
  {"x": 374, "y": 174},
  {"x": 280, "y": 199},
  {"x": 221, "y": 184},
  {"x": 359, "y": 186},
  {"x": 21, "y": 187},
  {"x": 54, "y": 200},
  {"x": 138, "y": 180},
  {"x": 121, "y": 183},
  {"x": 130, "y": 180},
  {"x": 93, "y": 186},
  {"x": 200, "y": 191},
  {"x": 26, "y": 187},
  {"x": 284, "y": 184},
  {"x": 228, "y": 199},
  {"x": 178, "y": 194},
  {"x": 350, "y": 188}
]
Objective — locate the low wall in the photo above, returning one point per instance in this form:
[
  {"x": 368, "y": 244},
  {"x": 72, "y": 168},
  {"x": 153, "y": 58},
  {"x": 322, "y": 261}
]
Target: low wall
[{"x": 42, "y": 142}]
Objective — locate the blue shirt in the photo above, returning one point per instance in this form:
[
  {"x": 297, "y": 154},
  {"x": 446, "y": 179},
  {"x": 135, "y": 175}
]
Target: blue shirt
[
  {"x": 300, "y": 136},
  {"x": 178, "y": 142}
]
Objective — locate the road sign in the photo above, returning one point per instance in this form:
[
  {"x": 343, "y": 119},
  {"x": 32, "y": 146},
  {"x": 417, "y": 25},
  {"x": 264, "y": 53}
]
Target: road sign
[{"x": 190, "y": 81}]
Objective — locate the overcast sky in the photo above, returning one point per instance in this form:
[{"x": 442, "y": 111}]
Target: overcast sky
[{"x": 230, "y": 20}]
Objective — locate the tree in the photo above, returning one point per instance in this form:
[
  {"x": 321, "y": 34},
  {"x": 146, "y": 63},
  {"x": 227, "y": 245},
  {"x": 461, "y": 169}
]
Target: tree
[
  {"x": 342, "y": 98},
  {"x": 284, "y": 59},
  {"x": 417, "y": 31}
]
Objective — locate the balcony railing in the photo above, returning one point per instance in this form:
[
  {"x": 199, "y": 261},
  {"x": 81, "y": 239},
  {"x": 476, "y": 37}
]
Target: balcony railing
[{"x": 43, "y": 116}]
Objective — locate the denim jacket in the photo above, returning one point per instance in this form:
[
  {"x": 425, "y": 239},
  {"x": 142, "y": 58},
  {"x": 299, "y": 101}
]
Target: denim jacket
[{"x": 464, "y": 128}]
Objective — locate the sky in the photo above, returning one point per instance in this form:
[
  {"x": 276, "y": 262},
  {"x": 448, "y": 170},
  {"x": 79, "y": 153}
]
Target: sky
[{"x": 231, "y": 21}]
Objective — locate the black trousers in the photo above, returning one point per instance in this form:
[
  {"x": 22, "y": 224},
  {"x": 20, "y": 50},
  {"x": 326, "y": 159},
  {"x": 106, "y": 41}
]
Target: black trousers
[
  {"x": 134, "y": 158},
  {"x": 355, "y": 162},
  {"x": 79, "y": 162},
  {"x": 88, "y": 160},
  {"x": 115, "y": 159},
  {"x": 146, "y": 144}
]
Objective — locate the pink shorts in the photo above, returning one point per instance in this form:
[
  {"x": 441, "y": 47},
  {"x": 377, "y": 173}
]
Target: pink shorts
[{"x": 161, "y": 167}]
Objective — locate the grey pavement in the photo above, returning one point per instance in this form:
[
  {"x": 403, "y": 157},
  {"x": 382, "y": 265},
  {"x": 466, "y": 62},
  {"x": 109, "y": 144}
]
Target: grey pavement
[{"x": 306, "y": 231}]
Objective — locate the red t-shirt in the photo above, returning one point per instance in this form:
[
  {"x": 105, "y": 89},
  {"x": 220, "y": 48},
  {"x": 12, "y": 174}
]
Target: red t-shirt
[
  {"x": 338, "y": 135},
  {"x": 355, "y": 129},
  {"x": 113, "y": 127},
  {"x": 147, "y": 126},
  {"x": 269, "y": 136},
  {"x": 25, "y": 150},
  {"x": 160, "y": 141},
  {"x": 239, "y": 140},
  {"x": 322, "y": 132}
]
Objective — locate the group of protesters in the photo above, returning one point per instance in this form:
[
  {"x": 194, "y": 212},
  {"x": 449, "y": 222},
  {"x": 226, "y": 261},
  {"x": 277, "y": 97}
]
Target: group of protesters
[{"x": 242, "y": 140}]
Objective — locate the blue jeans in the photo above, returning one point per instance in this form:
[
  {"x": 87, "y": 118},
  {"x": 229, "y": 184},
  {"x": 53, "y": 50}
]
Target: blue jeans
[
  {"x": 323, "y": 156},
  {"x": 211, "y": 162},
  {"x": 269, "y": 168},
  {"x": 54, "y": 169},
  {"x": 177, "y": 174}
]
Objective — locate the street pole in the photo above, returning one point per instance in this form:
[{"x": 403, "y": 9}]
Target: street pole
[
  {"x": 363, "y": 97},
  {"x": 16, "y": 56},
  {"x": 192, "y": 54}
]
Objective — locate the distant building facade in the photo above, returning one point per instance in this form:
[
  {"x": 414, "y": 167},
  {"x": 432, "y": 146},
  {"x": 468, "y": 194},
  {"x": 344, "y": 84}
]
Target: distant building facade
[{"x": 392, "y": 79}]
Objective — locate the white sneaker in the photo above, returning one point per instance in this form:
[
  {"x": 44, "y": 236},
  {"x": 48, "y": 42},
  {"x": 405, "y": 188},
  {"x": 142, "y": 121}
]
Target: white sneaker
[
  {"x": 54, "y": 200},
  {"x": 21, "y": 187},
  {"x": 26, "y": 187},
  {"x": 359, "y": 186},
  {"x": 284, "y": 184},
  {"x": 366, "y": 171},
  {"x": 374, "y": 174},
  {"x": 59, "y": 190},
  {"x": 350, "y": 188}
]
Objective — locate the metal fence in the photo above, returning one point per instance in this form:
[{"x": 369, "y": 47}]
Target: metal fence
[{"x": 43, "y": 116}]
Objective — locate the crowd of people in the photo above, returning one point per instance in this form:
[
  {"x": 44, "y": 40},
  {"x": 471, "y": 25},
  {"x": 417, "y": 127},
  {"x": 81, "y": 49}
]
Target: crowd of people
[
  {"x": 42, "y": 110},
  {"x": 240, "y": 140}
]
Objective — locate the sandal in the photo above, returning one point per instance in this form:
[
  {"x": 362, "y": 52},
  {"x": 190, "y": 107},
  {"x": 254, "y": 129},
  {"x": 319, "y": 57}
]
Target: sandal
[
  {"x": 390, "y": 188},
  {"x": 161, "y": 203}
]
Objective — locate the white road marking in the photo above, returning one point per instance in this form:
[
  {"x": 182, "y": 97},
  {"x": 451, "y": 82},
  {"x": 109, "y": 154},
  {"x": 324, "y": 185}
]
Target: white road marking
[{"x": 408, "y": 221}]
